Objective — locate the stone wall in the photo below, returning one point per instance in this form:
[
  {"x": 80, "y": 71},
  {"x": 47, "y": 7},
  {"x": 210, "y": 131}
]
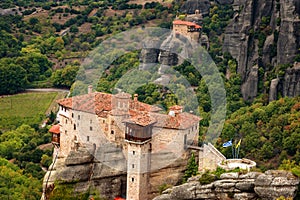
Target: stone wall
[
  {"x": 209, "y": 158},
  {"x": 234, "y": 186}
]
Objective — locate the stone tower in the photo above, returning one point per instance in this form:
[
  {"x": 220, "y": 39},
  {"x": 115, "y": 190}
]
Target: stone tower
[{"x": 138, "y": 136}]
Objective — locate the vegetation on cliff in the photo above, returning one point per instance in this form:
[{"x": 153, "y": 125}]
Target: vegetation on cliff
[
  {"x": 269, "y": 133},
  {"x": 44, "y": 42}
]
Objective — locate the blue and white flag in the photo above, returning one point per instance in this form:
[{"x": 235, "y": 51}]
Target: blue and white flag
[{"x": 227, "y": 144}]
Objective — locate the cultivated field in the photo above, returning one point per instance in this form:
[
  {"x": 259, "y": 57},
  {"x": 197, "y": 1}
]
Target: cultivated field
[{"x": 25, "y": 108}]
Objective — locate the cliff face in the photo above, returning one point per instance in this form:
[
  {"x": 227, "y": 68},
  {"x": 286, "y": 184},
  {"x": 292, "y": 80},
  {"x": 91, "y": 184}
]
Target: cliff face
[
  {"x": 251, "y": 186},
  {"x": 262, "y": 34},
  {"x": 83, "y": 171},
  {"x": 191, "y": 5},
  {"x": 291, "y": 83}
]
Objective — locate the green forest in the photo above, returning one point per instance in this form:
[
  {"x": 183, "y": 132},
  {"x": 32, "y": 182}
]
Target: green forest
[{"x": 44, "y": 43}]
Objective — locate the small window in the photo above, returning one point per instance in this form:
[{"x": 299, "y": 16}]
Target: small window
[
  {"x": 74, "y": 126},
  {"x": 72, "y": 115},
  {"x": 91, "y": 128},
  {"x": 66, "y": 132},
  {"x": 132, "y": 179},
  {"x": 132, "y": 166},
  {"x": 112, "y": 132},
  {"x": 66, "y": 121},
  {"x": 103, "y": 121},
  {"x": 133, "y": 153},
  {"x": 91, "y": 121},
  {"x": 78, "y": 117},
  {"x": 87, "y": 138}
]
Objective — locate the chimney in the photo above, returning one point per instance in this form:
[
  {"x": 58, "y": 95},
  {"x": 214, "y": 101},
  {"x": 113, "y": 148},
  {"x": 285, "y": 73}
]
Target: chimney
[
  {"x": 90, "y": 89},
  {"x": 135, "y": 97},
  {"x": 175, "y": 110}
]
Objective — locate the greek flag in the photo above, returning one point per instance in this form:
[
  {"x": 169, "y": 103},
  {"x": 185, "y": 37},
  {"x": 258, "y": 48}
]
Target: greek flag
[{"x": 227, "y": 144}]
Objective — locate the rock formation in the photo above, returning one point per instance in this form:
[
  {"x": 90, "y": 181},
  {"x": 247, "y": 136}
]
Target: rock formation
[
  {"x": 86, "y": 170},
  {"x": 291, "y": 82},
  {"x": 249, "y": 88},
  {"x": 273, "y": 89},
  {"x": 81, "y": 169},
  {"x": 280, "y": 46},
  {"x": 224, "y": 2},
  {"x": 251, "y": 186},
  {"x": 191, "y": 5}
]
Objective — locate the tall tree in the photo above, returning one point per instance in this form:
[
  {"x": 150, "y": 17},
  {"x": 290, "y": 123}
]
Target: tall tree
[{"x": 13, "y": 79}]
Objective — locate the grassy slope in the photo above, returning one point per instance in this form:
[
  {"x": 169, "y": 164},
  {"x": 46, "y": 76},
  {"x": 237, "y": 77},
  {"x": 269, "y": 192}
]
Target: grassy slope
[{"x": 28, "y": 108}]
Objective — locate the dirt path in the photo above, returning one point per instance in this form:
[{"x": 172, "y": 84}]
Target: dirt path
[{"x": 47, "y": 90}]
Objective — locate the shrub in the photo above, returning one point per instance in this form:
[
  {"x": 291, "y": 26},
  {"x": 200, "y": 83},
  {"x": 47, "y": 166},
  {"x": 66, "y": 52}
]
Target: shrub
[
  {"x": 207, "y": 178},
  {"x": 163, "y": 187}
]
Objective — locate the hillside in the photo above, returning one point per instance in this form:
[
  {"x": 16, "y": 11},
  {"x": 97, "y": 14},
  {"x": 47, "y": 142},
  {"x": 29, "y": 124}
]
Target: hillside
[
  {"x": 254, "y": 44},
  {"x": 46, "y": 41}
]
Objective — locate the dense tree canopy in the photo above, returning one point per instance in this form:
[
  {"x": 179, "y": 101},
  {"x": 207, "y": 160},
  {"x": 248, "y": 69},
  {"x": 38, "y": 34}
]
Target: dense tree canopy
[
  {"x": 15, "y": 185},
  {"x": 13, "y": 78},
  {"x": 266, "y": 132}
]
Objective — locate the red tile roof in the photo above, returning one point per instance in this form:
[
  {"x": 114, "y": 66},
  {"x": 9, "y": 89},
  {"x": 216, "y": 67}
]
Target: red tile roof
[
  {"x": 97, "y": 102},
  {"x": 187, "y": 23},
  {"x": 140, "y": 113},
  {"x": 180, "y": 121},
  {"x": 55, "y": 129},
  {"x": 141, "y": 118}
]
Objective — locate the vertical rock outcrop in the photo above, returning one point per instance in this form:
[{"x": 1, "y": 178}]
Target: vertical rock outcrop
[
  {"x": 291, "y": 82},
  {"x": 289, "y": 34},
  {"x": 273, "y": 89},
  {"x": 243, "y": 37},
  {"x": 191, "y": 5},
  {"x": 84, "y": 170},
  {"x": 249, "y": 87}
]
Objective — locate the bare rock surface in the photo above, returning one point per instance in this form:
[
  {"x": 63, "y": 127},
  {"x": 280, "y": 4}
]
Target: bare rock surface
[{"x": 234, "y": 186}]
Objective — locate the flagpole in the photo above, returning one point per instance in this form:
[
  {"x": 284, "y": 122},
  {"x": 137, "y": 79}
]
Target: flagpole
[
  {"x": 238, "y": 148},
  {"x": 232, "y": 151}
]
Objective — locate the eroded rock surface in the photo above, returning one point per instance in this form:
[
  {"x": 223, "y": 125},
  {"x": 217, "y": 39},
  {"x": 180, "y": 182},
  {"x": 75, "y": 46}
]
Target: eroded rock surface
[{"x": 234, "y": 186}]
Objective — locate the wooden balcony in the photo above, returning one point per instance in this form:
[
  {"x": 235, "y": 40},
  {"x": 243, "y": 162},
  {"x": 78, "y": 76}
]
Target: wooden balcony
[
  {"x": 136, "y": 138},
  {"x": 55, "y": 139}
]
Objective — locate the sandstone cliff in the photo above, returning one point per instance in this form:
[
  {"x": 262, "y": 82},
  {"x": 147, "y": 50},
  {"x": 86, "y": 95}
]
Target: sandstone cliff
[{"x": 251, "y": 186}]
